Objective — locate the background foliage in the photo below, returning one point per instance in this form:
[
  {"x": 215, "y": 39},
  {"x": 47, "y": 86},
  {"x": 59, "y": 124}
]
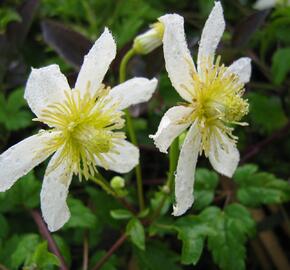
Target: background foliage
[{"x": 242, "y": 223}]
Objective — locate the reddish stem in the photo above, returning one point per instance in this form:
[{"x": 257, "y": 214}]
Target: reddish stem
[
  {"x": 109, "y": 253},
  {"x": 45, "y": 233}
]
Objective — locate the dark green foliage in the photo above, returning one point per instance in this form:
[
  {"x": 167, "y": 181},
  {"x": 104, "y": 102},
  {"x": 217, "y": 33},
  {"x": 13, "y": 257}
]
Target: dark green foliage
[{"x": 256, "y": 188}]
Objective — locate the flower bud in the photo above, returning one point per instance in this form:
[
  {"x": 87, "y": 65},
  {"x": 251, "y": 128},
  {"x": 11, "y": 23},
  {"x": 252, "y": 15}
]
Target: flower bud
[
  {"x": 117, "y": 182},
  {"x": 150, "y": 40}
]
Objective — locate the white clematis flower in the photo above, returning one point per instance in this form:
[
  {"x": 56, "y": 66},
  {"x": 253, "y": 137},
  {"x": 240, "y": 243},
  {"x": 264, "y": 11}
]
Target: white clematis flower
[
  {"x": 83, "y": 123},
  {"x": 213, "y": 103},
  {"x": 265, "y": 4}
]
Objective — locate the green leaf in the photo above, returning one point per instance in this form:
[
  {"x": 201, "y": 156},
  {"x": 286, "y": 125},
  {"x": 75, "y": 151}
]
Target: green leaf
[
  {"x": 136, "y": 232},
  {"x": 42, "y": 258},
  {"x": 232, "y": 227},
  {"x": 7, "y": 15},
  {"x": 24, "y": 193},
  {"x": 63, "y": 248},
  {"x": 266, "y": 112},
  {"x": 81, "y": 216},
  {"x": 157, "y": 256},
  {"x": 13, "y": 114},
  {"x": 24, "y": 250},
  {"x": 204, "y": 187},
  {"x": 192, "y": 231},
  {"x": 4, "y": 227},
  {"x": 121, "y": 214},
  {"x": 110, "y": 264},
  {"x": 280, "y": 65},
  {"x": 256, "y": 188}
]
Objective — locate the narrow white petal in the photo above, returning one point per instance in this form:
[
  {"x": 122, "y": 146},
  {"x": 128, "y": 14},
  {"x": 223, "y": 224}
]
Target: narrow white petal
[
  {"x": 54, "y": 193},
  {"x": 169, "y": 127},
  {"x": 22, "y": 157},
  {"x": 211, "y": 34},
  {"x": 123, "y": 161},
  {"x": 178, "y": 61},
  {"x": 133, "y": 91},
  {"x": 264, "y": 4},
  {"x": 45, "y": 86},
  {"x": 241, "y": 67},
  {"x": 185, "y": 173},
  {"x": 96, "y": 63},
  {"x": 224, "y": 157}
]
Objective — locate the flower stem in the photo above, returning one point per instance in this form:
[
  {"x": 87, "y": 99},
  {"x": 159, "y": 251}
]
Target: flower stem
[
  {"x": 173, "y": 158},
  {"x": 99, "y": 180},
  {"x": 130, "y": 128}
]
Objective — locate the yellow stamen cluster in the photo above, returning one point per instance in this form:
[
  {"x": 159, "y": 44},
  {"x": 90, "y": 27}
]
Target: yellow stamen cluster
[
  {"x": 85, "y": 125},
  {"x": 216, "y": 101}
]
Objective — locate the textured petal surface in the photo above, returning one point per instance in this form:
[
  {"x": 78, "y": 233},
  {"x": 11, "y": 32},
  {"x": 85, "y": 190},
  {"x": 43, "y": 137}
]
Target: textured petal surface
[
  {"x": 178, "y": 61},
  {"x": 22, "y": 157},
  {"x": 243, "y": 68},
  {"x": 264, "y": 4},
  {"x": 45, "y": 86},
  {"x": 211, "y": 34},
  {"x": 96, "y": 63},
  {"x": 134, "y": 91},
  {"x": 123, "y": 161},
  {"x": 54, "y": 194},
  {"x": 185, "y": 173},
  {"x": 224, "y": 157},
  {"x": 169, "y": 127}
]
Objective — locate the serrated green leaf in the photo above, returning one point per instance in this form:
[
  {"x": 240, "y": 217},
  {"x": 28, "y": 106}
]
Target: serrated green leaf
[
  {"x": 280, "y": 65},
  {"x": 192, "y": 231},
  {"x": 24, "y": 250},
  {"x": 204, "y": 187},
  {"x": 42, "y": 258},
  {"x": 121, "y": 214},
  {"x": 266, "y": 112},
  {"x": 136, "y": 232},
  {"x": 157, "y": 256},
  {"x": 256, "y": 188},
  {"x": 232, "y": 227},
  {"x": 24, "y": 193},
  {"x": 81, "y": 216}
]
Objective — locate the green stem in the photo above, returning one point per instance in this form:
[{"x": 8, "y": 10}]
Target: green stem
[
  {"x": 130, "y": 128},
  {"x": 173, "y": 158},
  {"x": 101, "y": 181}
]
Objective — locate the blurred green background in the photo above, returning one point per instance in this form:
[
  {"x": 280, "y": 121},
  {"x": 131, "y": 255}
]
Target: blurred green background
[{"x": 38, "y": 33}]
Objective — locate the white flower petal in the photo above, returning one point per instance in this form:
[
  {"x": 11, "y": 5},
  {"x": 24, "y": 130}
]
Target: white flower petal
[
  {"x": 178, "y": 61},
  {"x": 96, "y": 63},
  {"x": 264, "y": 4},
  {"x": 22, "y": 157},
  {"x": 54, "y": 194},
  {"x": 185, "y": 173},
  {"x": 224, "y": 157},
  {"x": 123, "y": 161},
  {"x": 241, "y": 67},
  {"x": 45, "y": 86},
  {"x": 169, "y": 127},
  {"x": 133, "y": 91},
  {"x": 211, "y": 34}
]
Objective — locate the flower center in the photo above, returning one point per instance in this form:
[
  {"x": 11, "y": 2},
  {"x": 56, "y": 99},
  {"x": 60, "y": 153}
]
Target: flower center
[
  {"x": 85, "y": 125},
  {"x": 217, "y": 101}
]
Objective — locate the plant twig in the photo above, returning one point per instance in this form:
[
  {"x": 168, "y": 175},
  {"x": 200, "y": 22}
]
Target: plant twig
[
  {"x": 256, "y": 148},
  {"x": 130, "y": 129},
  {"x": 85, "y": 251},
  {"x": 47, "y": 235},
  {"x": 109, "y": 253}
]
